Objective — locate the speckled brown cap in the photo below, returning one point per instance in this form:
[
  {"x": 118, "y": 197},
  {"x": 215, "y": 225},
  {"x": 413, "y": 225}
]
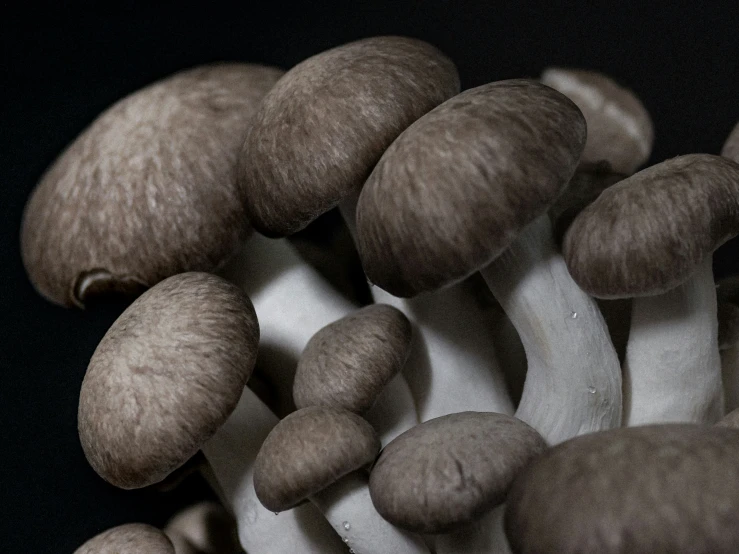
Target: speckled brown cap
[
  {"x": 348, "y": 363},
  {"x": 638, "y": 490},
  {"x": 325, "y": 124},
  {"x": 646, "y": 234},
  {"x": 165, "y": 376},
  {"x": 456, "y": 187},
  {"x": 308, "y": 451},
  {"x": 730, "y": 420},
  {"x": 148, "y": 190},
  {"x": 731, "y": 146},
  {"x": 131, "y": 538},
  {"x": 450, "y": 470},
  {"x": 620, "y": 130}
]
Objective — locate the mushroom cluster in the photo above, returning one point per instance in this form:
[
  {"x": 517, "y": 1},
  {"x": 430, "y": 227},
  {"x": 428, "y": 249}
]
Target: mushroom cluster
[{"x": 514, "y": 209}]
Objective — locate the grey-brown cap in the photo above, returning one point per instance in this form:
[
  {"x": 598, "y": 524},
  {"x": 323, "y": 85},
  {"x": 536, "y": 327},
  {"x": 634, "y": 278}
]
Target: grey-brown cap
[
  {"x": 620, "y": 129},
  {"x": 309, "y": 450},
  {"x": 348, "y": 363},
  {"x": 450, "y": 470},
  {"x": 165, "y": 376},
  {"x": 647, "y": 233},
  {"x": 730, "y": 420},
  {"x": 731, "y": 146},
  {"x": 660, "y": 488},
  {"x": 131, "y": 538},
  {"x": 455, "y": 188},
  {"x": 148, "y": 190},
  {"x": 325, "y": 124}
]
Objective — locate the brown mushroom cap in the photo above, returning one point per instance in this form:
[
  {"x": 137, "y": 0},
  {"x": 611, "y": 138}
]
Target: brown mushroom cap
[
  {"x": 646, "y": 234},
  {"x": 148, "y": 190},
  {"x": 348, "y": 363},
  {"x": 309, "y": 450},
  {"x": 165, "y": 376},
  {"x": 731, "y": 146},
  {"x": 455, "y": 188},
  {"x": 131, "y": 538},
  {"x": 620, "y": 130},
  {"x": 450, "y": 470},
  {"x": 660, "y": 488},
  {"x": 730, "y": 420},
  {"x": 324, "y": 125}
]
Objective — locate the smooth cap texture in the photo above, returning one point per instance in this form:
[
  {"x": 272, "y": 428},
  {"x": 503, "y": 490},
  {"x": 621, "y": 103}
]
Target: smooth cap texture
[
  {"x": 325, "y": 124},
  {"x": 148, "y": 190},
  {"x": 646, "y": 234},
  {"x": 641, "y": 490},
  {"x": 731, "y": 146},
  {"x": 455, "y": 188},
  {"x": 131, "y": 538},
  {"x": 620, "y": 129},
  {"x": 348, "y": 363},
  {"x": 308, "y": 451},
  {"x": 165, "y": 376},
  {"x": 450, "y": 470}
]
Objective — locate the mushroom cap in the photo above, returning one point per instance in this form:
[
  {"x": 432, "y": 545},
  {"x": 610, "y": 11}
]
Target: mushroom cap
[
  {"x": 325, "y": 124},
  {"x": 659, "y": 488},
  {"x": 620, "y": 130},
  {"x": 730, "y": 420},
  {"x": 148, "y": 190},
  {"x": 131, "y": 538},
  {"x": 348, "y": 363},
  {"x": 646, "y": 234},
  {"x": 165, "y": 376},
  {"x": 450, "y": 470},
  {"x": 309, "y": 450},
  {"x": 455, "y": 188},
  {"x": 731, "y": 146}
]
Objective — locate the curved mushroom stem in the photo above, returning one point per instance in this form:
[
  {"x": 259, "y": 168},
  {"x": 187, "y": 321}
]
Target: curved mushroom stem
[
  {"x": 347, "y": 506},
  {"x": 452, "y": 366},
  {"x": 484, "y": 536},
  {"x": 293, "y": 301},
  {"x": 672, "y": 371},
  {"x": 573, "y": 384},
  {"x": 231, "y": 453}
]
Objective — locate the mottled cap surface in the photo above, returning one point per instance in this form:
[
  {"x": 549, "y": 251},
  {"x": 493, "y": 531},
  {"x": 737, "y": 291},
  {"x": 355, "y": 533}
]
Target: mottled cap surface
[
  {"x": 148, "y": 190},
  {"x": 730, "y": 420},
  {"x": 308, "y": 451},
  {"x": 450, "y": 470},
  {"x": 165, "y": 376},
  {"x": 639, "y": 490},
  {"x": 646, "y": 234},
  {"x": 620, "y": 129},
  {"x": 348, "y": 363},
  {"x": 455, "y": 188},
  {"x": 131, "y": 538},
  {"x": 731, "y": 146},
  {"x": 323, "y": 127}
]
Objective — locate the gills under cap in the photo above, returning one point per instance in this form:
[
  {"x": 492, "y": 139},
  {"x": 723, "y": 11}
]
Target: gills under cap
[
  {"x": 325, "y": 124},
  {"x": 131, "y": 538},
  {"x": 455, "y": 188},
  {"x": 165, "y": 376}
]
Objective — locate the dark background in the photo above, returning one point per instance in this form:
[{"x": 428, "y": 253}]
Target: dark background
[{"x": 63, "y": 68}]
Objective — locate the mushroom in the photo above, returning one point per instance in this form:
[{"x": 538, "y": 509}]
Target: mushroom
[
  {"x": 318, "y": 453},
  {"x": 203, "y": 528},
  {"x": 148, "y": 190},
  {"x": 466, "y": 188},
  {"x": 313, "y": 142},
  {"x": 651, "y": 237},
  {"x": 659, "y": 488},
  {"x": 130, "y": 538}
]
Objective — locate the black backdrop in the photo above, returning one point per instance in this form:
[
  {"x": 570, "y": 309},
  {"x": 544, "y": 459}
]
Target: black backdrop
[{"x": 62, "y": 68}]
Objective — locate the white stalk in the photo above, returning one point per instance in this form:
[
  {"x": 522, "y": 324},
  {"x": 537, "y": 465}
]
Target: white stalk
[
  {"x": 484, "y": 536},
  {"x": 347, "y": 506},
  {"x": 573, "y": 383},
  {"x": 672, "y": 371},
  {"x": 231, "y": 453},
  {"x": 452, "y": 366}
]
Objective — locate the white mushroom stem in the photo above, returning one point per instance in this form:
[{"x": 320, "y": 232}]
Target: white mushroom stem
[
  {"x": 452, "y": 366},
  {"x": 347, "y": 506},
  {"x": 672, "y": 371},
  {"x": 484, "y": 536},
  {"x": 231, "y": 453},
  {"x": 293, "y": 301},
  {"x": 573, "y": 383}
]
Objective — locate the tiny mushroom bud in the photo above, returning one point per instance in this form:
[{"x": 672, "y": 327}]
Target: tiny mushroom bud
[{"x": 131, "y": 538}]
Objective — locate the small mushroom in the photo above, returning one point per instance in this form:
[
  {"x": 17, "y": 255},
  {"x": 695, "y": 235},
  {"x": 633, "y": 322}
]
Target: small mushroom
[
  {"x": 131, "y": 538},
  {"x": 318, "y": 453},
  {"x": 641, "y": 490},
  {"x": 203, "y": 528}
]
